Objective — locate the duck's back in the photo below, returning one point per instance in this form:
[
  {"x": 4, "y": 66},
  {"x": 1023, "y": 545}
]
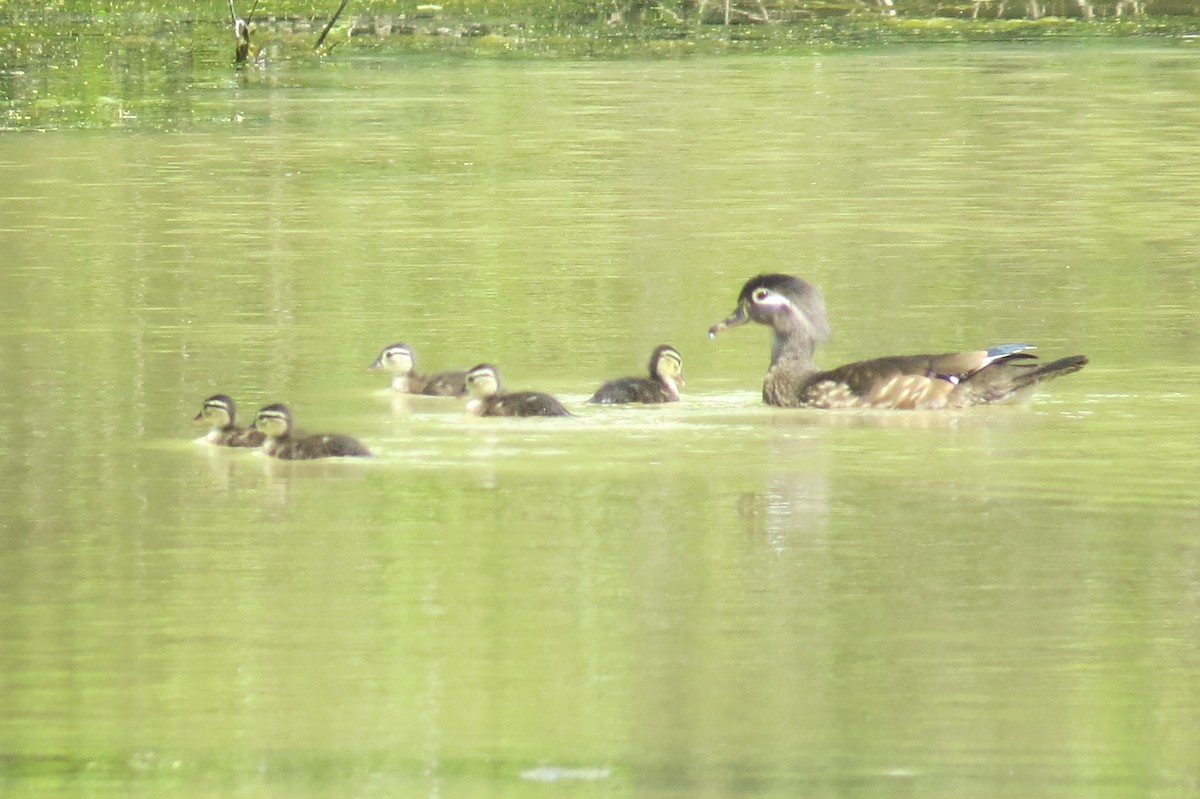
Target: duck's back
[
  {"x": 443, "y": 384},
  {"x": 524, "y": 403},
  {"x": 325, "y": 445},
  {"x": 630, "y": 389},
  {"x": 237, "y": 437},
  {"x": 929, "y": 382}
]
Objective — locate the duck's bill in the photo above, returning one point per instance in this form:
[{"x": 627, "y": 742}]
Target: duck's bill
[
  {"x": 376, "y": 364},
  {"x": 738, "y": 317}
]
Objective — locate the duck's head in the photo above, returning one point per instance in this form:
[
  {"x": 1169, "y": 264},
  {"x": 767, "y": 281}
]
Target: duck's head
[
  {"x": 788, "y": 305},
  {"x": 241, "y": 29},
  {"x": 482, "y": 381},
  {"x": 274, "y": 420},
  {"x": 218, "y": 411},
  {"x": 396, "y": 358},
  {"x": 666, "y": 365}
]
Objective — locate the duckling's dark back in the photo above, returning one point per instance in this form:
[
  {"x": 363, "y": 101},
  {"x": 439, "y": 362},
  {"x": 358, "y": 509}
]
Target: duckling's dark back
[
  {"x": 524, "y": 403},
  {"x": 442, "y": 384},
  {"x": 240, "y": 437},
  {"x": 630, "y": 389},
  {"x": 666, "y": 376},
  {"x": 324, "y": 445}
]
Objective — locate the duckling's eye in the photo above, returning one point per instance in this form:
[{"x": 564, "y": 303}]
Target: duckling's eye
[{"x": 760, "y": 295}]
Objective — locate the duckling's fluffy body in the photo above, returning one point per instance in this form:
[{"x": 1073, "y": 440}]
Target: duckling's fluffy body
[
  {"x": 487, "y": 397},
  {"x": 275, "y": 421},
  {"x": 399, "y": 360},
  {"x": 666, "y": 377}
]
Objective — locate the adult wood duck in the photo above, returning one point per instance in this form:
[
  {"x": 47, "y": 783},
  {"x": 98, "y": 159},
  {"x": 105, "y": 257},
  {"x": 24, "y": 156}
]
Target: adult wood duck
[
  {"x": 221, "y": 414},
  {"x": 666, "y": 376},
  {"x": 488, "y": 397},
  {"x": 398, "y": 359},
  {"x": 276, "y": 422},
  {"x": 795, "y": 312}
]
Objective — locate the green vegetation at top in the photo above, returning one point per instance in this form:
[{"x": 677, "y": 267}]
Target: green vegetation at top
[
  {"x": 612, "y": 13},
  {"x": 78, "y": 31},
  {"x": 584, "y": 12}
]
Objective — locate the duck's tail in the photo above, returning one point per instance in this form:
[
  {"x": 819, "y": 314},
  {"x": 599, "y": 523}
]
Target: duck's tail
[{"x": 1013, "y": 379}]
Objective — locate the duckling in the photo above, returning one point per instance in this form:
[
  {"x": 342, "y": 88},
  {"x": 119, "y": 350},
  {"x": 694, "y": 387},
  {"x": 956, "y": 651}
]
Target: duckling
[
  {"x": 795, "y": 312},
  {"x": 275, "y": 421},
  {"x": 220, "y": 412},
  {"x": 666, "y": 376},
  {"x": 398, "y": 359},
  {"x": 489, "y": 399}
]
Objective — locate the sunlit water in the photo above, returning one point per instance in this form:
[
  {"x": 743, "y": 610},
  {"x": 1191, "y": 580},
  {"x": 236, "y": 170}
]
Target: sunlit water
[{"x": 712, "y": 598}]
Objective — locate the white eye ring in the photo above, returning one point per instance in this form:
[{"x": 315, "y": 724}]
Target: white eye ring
[{"x": 760, "y": 295}]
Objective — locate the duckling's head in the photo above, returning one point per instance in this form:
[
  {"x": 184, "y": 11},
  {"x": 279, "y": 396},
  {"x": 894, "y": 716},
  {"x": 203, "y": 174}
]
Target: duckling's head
[
  {"x": 396, "y": 358},
  {"x": 275, "y": 421},
  {"x": 482, "y": 381},
  {"x": 218, "y": 411},
  {"x": 666, "y": 364},
  {"x": 785, "y": 303}
]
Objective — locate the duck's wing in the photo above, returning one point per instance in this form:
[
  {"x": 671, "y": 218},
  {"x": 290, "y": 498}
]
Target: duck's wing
[{"x": 908, "y": 381}]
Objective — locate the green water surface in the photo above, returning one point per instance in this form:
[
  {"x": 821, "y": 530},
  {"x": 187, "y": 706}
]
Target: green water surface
[{"x": 712, "y": 598}]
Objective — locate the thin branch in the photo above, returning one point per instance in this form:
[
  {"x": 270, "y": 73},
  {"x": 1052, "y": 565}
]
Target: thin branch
[{"x": 329, "y": 25}]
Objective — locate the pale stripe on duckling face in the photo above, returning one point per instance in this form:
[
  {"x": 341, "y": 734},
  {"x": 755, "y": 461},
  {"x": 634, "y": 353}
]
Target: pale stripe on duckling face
[
  {"x": 273, "y": 422},
  {"x": 398, "y": 359},
  {"x": 220, "y": 413},
  {"x": 668, "y": 368},
  {"x": 218, "y": 410},
  {"x": 482, "y": 383}
]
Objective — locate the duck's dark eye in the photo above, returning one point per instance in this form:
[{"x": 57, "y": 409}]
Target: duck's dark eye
[{"x": 760, "y": 295}]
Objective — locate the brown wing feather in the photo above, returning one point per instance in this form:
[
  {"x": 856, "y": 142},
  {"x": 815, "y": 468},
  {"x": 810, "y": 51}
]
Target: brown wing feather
[
  {"x": 904, "y": 382},
  {"x": 909, "y": 392},
  {"x": 901, "y": 382},
  {"x": 897, "y": 392},
  {"x": 861, "y": 376}
]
